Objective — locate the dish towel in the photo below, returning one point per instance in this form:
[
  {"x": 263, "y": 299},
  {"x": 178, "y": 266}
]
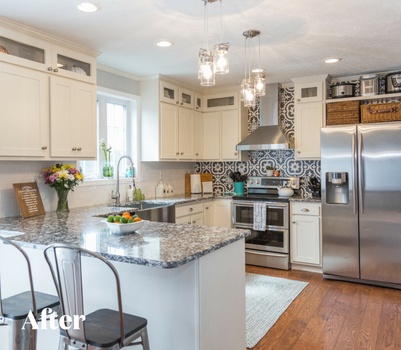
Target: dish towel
[{"x": 259, "y": 216}]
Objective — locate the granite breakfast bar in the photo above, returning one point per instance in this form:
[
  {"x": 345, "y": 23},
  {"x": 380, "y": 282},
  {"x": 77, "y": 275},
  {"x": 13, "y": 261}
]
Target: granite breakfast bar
[{"x": 188, "y": 281}]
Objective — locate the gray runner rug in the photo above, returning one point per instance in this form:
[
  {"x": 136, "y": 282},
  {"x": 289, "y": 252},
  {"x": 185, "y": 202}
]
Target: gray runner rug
[{"x": 266, "y": 299}]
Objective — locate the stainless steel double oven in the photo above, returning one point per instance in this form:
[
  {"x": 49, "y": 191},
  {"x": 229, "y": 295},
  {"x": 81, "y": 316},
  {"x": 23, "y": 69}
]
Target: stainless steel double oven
[{"x": 268, "y": 247}]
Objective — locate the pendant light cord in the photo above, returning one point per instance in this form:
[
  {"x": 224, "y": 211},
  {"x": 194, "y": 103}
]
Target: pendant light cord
[{"x": 221, "y": 21}]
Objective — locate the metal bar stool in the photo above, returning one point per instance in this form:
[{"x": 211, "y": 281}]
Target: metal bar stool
[
  {"x": 103, "y": 329},
  {"x": 14, "y": 310}
]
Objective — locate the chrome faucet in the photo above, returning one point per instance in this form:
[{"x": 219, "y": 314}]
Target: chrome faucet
[{"x": 116, "y": 195}]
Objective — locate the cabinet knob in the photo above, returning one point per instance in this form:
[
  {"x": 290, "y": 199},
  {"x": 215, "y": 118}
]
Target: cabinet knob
[
  {"x": 55, "y": 70},
  {"x": 189, "y": 222},
  {"x": 299, "y": 152},
  {"x": 49, "y": 69},
  {"x": 182, "y": 153},
  {"x": 177, "y": 102},
  {"x": 44, "y": 147},
  {"x": 79, "y": 149},
  {"x": 305, "y": 210},
  {"x": 74, "y": 148},
  {"x": 197, "y": 154},
  {"x": 293, "y": 222},
  {"x": 190, "y": 209},
  {"x": 177, "y": 153},
  {"x": 206, "y": 208},
  {"x": 235, "y": 153},
  {"x": 298, "y": 100},
  {"x": 194, "y": 222},
  {"x": 182, "y": 103}
]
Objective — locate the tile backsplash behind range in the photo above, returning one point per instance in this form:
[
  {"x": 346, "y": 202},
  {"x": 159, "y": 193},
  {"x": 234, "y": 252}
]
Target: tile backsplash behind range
[{"x": 282, "y": 160}]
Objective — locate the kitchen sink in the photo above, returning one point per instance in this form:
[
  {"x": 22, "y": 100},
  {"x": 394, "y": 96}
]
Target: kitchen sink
[{"x": 159, "y": 211}]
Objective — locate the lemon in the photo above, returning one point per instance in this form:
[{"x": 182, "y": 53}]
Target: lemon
[{"x": 110, "y": 218}]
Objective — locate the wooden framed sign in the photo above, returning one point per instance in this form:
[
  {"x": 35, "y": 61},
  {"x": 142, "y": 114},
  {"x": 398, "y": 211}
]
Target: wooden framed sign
[{"x": 29, "y": 200}]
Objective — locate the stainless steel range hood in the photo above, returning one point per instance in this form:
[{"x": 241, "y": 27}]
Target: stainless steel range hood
[{"x": 268, "y": 135}]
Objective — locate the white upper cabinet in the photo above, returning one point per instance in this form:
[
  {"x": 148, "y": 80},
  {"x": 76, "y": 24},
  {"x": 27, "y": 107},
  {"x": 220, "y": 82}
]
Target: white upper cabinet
[
  {"x": 72, "y": 119},
  {"x": 48, "y": 95},
  {"x": 24, "y": 112},
  {"x": 310, "y": 111},
  {"x": 33, "y": 52},
  {"x": 174, "y": 94},
  {"x": 221, "y": 102}
]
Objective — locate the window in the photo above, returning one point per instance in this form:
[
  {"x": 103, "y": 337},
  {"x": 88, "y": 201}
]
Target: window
[{"x": 117, "y": 115}]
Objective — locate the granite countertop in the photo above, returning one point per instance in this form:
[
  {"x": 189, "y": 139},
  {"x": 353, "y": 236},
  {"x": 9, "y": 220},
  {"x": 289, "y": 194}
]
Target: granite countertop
[{"x": 155, "y": 244}]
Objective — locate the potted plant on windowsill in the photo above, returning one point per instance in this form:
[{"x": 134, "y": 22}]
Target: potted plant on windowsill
[
  {"x": 238, "y": 180},
  {"x": 107, "y": 169}
]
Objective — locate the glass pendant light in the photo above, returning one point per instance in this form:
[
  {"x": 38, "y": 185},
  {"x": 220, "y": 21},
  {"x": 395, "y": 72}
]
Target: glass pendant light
[
  {"x": 259, "y": 78},
  {"x": 206, "y": 68},
  {"x": 212, "y": 62}
]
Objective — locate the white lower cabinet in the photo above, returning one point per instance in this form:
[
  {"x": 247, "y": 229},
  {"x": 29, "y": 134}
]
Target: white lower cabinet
[
  {"x": 208, "y": 213},
  {"x": 306, "y": 234},
  {"x": 191, "y": 214},
  {"x": 222, "y": 213}
]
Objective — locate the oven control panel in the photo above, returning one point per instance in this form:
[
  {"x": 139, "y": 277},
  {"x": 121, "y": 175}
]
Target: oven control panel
[{"x": 273, "y": 182}]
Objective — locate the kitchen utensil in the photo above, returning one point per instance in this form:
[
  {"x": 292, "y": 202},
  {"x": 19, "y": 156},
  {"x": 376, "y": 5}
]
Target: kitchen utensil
[
  {"x": 393, "y": 82},
  {"x": 369, "y": 85},
  {"x": 124, "y": 228},
  {"x": 342, "y": 89}
]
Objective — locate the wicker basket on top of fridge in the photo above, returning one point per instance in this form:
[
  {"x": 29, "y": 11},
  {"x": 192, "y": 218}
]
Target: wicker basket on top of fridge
[{"x": 381, "y": 112}]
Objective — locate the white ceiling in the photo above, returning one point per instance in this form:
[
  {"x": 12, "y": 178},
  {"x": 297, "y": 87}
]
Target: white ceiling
[{"x": 296, "y": 34}]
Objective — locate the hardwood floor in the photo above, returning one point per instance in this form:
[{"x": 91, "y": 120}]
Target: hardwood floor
[{"x": 334, "y": 315}]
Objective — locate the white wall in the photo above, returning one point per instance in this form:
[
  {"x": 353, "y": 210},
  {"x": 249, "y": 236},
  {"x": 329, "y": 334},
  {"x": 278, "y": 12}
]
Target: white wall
[{"x": 87, "y": 194}]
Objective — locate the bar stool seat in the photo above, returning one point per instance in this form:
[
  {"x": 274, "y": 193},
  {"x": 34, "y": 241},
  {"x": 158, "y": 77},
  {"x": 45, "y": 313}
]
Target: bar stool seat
[
  {"x": 14, "y": 309},
  {"x": 102, "y": 329}
]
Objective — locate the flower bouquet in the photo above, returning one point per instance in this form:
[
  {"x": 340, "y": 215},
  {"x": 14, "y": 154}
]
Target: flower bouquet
[
  {"x": 63, "y": 178},
  {"x": 107, "y": 169}
]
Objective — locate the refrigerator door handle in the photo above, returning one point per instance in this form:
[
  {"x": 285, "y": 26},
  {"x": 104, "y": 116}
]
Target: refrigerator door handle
[
  {"x": 360, "y": 172},
  {"x": 354, "y": 170}
]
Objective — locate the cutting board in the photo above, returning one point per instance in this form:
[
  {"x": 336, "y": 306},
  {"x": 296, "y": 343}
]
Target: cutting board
[{"x": 204, "y": 177}]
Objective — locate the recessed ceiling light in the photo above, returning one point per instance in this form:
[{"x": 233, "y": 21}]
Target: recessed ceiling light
[
  {"x": 258, "y": 70},
  {"x": 88, "y": 7},
  {"x": 164, "y": 43},
  {"x": 331, "y": 60}
]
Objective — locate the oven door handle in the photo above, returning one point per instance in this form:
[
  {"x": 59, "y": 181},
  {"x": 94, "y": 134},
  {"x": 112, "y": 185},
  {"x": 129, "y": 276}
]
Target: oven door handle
[{"x": 244, "y": 204}]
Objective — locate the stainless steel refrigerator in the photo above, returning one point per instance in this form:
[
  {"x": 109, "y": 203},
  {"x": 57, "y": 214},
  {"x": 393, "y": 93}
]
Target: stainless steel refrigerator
[{"x": 361, "y": 203}]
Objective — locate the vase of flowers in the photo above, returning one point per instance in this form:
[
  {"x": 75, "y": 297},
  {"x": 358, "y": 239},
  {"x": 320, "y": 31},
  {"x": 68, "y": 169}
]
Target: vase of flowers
[
  {"x": 107, "y": 169},
  {"x": 63, "y": 178}
]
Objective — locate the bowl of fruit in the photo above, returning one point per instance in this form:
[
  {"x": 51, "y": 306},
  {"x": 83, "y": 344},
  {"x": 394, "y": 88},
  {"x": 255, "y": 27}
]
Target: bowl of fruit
[{"x": 124, "y": 223}]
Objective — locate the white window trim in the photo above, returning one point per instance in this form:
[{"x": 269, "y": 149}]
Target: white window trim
[{"x": 129, "y": 97}]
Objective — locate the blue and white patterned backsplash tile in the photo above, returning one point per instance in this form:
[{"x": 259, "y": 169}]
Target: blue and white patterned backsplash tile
[{"x": 282, "y": 160}]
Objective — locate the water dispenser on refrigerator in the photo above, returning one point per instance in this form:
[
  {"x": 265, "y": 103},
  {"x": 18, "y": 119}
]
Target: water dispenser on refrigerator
[{"x": 337, "y": 189}]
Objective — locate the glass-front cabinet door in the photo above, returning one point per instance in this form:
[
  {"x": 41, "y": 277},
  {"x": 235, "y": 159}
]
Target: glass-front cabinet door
[
  {"x": 73, "y": 64},
  {"x": 169, "y": 93},
  {"x": 24, "y": 50}
]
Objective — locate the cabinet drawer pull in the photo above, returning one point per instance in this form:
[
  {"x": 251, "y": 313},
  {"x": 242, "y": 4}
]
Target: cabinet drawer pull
[
  {"x": 305, "y": 210},
  {"x": 44, "y": 147}
]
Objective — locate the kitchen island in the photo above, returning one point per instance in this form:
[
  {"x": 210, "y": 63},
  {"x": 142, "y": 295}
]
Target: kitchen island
[{"x": 188, "y": 281}]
